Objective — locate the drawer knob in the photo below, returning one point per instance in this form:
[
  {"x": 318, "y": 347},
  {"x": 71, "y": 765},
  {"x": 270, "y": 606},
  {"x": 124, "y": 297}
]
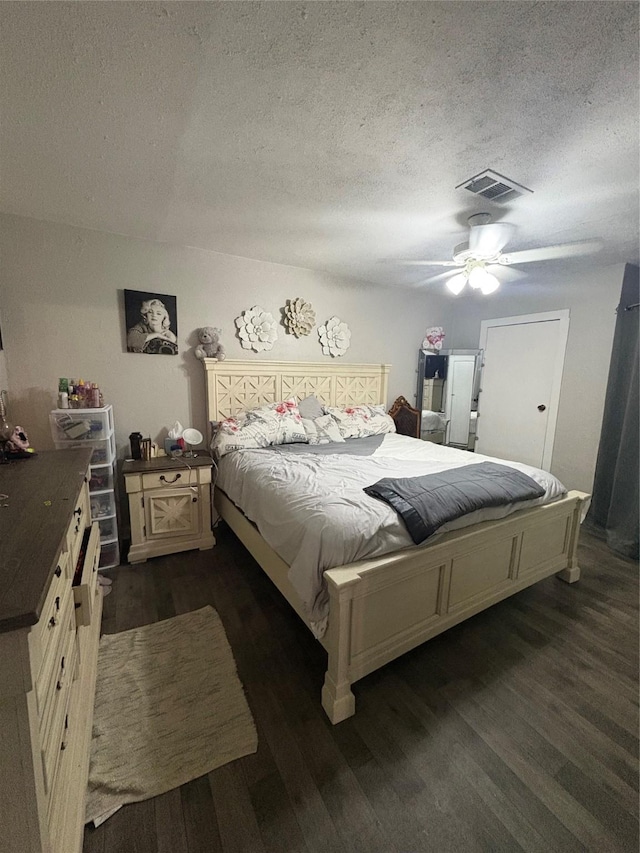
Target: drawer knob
[
  {"x": 58, "y": 572},
  {"x": 78, "y": 511},
  {"x": 61, "y": 679},
  {"x": 53, "y": 622},
  {"x": 175, "y": 479},
  {"x": 57, "y": 602}
]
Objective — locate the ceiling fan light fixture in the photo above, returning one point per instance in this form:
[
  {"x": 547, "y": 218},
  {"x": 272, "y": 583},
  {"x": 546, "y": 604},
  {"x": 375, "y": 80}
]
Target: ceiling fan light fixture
[
  {"x": 477, "y": 276},
  {"x": 481, "y": 279},
  {"x": 491, "y": 284},
  {"x": 456, "y": 284}
]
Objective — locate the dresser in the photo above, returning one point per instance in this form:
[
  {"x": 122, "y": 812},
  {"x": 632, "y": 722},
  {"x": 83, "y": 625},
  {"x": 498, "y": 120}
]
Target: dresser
[
  {"x": 50, "y": 612},
  {"x": 169, "y": 505}
]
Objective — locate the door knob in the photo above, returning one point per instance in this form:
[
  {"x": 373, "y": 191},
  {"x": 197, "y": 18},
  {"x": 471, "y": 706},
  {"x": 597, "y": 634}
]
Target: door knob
[{"x": 541, "y": 408}]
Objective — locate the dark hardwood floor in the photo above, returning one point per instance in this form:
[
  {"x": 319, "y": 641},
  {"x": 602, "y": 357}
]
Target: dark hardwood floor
[{"x": 517, "y": 730}]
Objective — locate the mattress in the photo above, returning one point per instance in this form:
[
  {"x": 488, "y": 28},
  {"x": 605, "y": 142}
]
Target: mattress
[{"x": 311, "y": 509}]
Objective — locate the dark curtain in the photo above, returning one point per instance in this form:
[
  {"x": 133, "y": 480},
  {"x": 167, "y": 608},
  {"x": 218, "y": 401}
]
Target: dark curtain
[{"x": 613, "y": 514}]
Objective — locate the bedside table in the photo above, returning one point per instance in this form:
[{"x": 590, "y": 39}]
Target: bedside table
[{"x": 169, "y": 505}]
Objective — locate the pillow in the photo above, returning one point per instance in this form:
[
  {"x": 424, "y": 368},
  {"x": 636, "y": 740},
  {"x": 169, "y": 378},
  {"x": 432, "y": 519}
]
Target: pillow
[
  {"x": 322, "y": 430},
  {"x": 361, "y": 421},
  {"x": 310, "y": 408},
  {"x": 276, "y": 423}
]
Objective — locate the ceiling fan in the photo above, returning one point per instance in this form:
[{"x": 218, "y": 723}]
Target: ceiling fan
[{"x": 475, "y": 262}]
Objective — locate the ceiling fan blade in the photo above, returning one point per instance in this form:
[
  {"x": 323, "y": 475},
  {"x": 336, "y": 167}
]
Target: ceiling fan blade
[
  {"x": 547, "y": 253},
  {"x": 441, "y": 276},
  {"x": 427, "y": 263},
  {"x": 485, "y": 241},
  {"x": 506, "y": 274}
]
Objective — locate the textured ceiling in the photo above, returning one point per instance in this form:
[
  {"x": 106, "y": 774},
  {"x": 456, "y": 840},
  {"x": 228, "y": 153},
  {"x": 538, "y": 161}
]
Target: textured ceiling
[{"x": 324, "y": 135}]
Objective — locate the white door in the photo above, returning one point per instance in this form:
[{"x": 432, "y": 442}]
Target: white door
[
  {"x": 459, "y": 393},
  {"x": 520, "y": 386}
]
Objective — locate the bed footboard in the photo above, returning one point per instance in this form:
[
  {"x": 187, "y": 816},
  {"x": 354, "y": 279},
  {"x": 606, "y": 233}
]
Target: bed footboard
[{"x": 382, "y": 608}]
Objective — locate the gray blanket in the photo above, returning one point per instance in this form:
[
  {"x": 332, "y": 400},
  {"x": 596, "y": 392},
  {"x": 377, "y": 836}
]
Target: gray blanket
[
  {"x": 350, "y": 447},
  {"x": 426, "y": 503}
]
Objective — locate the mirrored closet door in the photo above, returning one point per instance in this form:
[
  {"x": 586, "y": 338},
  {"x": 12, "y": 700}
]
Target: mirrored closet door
[{"x": 447, "y": 396}]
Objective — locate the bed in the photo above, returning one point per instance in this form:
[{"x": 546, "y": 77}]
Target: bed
[{"x": 382, "y": 606}]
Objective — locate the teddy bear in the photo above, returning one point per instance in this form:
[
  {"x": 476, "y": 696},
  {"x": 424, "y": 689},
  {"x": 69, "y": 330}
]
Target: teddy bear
[{"x": 209, "y": 344}]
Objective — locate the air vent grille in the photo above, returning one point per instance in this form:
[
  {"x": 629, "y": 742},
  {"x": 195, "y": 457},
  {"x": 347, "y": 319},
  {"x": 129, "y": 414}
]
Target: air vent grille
[{"x": 493, "y": 186}]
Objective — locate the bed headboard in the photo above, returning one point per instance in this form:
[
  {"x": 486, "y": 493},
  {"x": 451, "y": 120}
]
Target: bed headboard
[{"x": 235, "y": 386}]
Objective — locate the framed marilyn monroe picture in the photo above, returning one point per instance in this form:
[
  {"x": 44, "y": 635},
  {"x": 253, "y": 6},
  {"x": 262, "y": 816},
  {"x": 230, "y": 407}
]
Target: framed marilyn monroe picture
[{"x": 151, "y": 322}]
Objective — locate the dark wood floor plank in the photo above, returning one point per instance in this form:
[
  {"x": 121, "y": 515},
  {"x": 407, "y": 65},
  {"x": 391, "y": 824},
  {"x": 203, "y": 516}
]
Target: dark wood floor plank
[
  {"x": 558, "y": 725},
  {"x": 467, "y": 824},
  {"x": 132, "y": 829},
  {"x": 577, "y": 819},
  {"x": 516, "y": 730},
  {"x": 237, "y": 824},
  {"x": 601, "y": 805},
  {"x": 444, "y": 721},
  {"x": 200, "y": 823},
  {"x": 170, "y": 828},
  {"x": 93, "y": 840}
]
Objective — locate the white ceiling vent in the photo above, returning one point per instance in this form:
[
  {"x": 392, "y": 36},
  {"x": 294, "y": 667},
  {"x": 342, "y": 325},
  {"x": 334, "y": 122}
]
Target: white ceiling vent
[{"x": 493, "y": 186}]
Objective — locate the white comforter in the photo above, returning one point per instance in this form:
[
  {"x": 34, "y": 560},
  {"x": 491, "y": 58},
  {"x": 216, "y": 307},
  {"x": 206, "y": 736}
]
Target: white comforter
[{"x": 313, "y": 512}]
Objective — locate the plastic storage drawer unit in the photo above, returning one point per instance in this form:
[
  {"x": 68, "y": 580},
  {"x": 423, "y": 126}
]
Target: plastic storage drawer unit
[{"x": 81, "y": 424}]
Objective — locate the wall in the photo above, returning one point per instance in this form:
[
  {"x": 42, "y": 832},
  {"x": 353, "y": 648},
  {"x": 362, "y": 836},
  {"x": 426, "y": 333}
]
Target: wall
[
  {"x": 62, "y": 315},
  {"x": 592, "y": 297}
]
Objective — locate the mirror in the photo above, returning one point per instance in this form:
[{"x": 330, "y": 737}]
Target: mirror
[{"x": 447, "y": 396}]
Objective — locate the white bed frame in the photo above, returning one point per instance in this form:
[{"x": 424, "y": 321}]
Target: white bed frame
[{"x": 383, "y": 607}]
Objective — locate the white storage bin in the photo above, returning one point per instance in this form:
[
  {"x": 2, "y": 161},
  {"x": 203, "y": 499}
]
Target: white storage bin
[
  {"x": 109, "y": 555},
  {"x": 101, "y": 478},
  {"x": 103, "y": 505},
  {"x": 81, "y": 424},
  {"x": 103, "y": 451},
  {"x": 108, "y": 529}
]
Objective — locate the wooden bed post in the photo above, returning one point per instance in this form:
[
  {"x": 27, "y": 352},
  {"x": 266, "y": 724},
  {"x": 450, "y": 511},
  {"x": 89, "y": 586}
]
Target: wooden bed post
[
  {"x": 337, "y": 697},
  {"x": 572, "y": 573}
]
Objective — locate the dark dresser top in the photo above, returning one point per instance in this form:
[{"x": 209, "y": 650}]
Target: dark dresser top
[
  {"x": 32, "y": 530},
  {"x": 164, "y": 463}
]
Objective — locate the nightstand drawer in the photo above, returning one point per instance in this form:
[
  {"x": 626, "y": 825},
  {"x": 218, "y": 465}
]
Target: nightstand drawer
[{"x": 179, "y": 477}]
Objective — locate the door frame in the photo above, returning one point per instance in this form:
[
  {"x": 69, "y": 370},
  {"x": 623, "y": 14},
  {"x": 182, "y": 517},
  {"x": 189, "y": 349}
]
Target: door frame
[{"x": 562, "y": 316}]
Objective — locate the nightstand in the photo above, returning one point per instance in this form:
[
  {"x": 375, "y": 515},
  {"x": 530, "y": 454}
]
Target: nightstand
[{"x": 169, "y": 505}]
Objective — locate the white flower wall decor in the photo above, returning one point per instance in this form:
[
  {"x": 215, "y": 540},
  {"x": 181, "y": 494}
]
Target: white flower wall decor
[
  {"x": 335, "y": 337},
  {"x": 256, "y": 329},
  {"x": 299, "y": 317}
]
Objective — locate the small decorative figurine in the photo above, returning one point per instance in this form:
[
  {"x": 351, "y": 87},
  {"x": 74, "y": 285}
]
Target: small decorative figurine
[
  {"x": 433, "y": 339},
  {"x": 209, "y": 345}
]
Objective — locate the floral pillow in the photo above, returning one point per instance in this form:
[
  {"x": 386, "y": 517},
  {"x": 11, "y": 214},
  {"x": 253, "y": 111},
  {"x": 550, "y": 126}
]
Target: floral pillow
[
  {"x": 276, "y": 423},
  {"x": 361, "y": 421},
  {"x": 322, "y": 430}
]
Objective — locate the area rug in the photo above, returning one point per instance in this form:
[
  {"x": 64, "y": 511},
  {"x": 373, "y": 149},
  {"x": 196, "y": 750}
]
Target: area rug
[{"x": 169, "y": 708}]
